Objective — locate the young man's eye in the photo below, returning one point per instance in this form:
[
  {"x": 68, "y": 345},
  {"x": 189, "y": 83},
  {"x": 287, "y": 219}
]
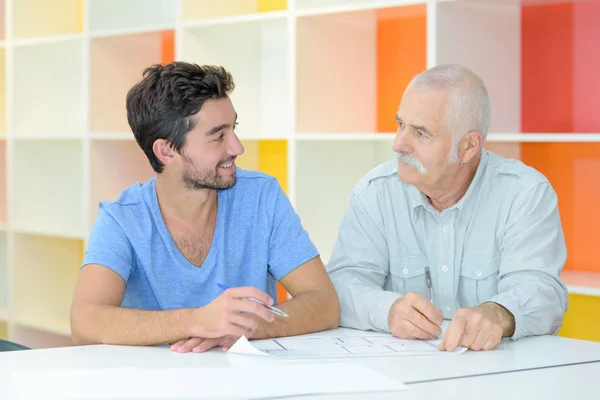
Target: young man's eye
[{"x": 220, "y": 137}]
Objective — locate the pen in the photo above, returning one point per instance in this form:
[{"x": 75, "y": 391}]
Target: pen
[
  {"x": 428, "y": 281},
  {"x": 273, "y": 309}
]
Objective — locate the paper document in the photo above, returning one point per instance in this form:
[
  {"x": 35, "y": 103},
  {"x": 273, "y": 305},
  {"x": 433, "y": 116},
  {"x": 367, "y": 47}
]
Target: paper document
[
  {"x": 202, "y": 383},
  {"x": 342, "y": 346}
]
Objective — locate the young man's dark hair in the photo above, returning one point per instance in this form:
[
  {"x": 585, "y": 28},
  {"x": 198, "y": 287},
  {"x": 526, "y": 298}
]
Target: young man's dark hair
[{"x": 163, "y": 104}]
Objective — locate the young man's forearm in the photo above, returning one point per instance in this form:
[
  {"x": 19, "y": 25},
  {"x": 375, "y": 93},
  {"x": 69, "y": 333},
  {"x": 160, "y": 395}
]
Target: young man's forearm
[
  {"x": 309, "y": 311},
  {"x": 102, "y": 324}
]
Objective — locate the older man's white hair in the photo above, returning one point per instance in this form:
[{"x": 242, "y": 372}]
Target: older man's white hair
[{"x": 468, "y": 108}]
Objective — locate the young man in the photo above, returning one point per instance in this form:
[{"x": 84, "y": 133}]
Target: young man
[
  {"x": 486, "y": 228},
  {"x": 159, "y": 256}
]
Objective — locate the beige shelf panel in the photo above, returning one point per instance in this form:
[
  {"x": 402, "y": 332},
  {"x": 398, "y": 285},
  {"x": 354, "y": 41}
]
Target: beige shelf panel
[
  {"x": 256, "y": 55},
  {"x": 115, "y": 165},
  {"x": 322, "y": 208},
  {"x": 44, "y": 279},
  {"x": 47, "y": 196},
  {"x": 49, "y": 100},
  {"x": 116, "y": 64},
  {"x": 2, "y": 90},
  {"x": 32, "y": 18},
  {"x": 3, "y": 176},
  {"x": 4, "y": 285},
  {"x": 115, "y": 15}
]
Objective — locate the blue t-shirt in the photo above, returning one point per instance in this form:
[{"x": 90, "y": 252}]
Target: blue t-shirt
[{"x": 258, "y": 239}]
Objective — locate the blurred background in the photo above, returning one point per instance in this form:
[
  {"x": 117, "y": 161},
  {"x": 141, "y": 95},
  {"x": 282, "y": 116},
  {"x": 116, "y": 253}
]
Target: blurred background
[{"x": 317, "y": 85}]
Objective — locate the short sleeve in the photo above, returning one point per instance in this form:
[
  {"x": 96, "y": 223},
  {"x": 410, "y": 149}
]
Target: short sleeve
[
  {"x": 289, "y": 243},
  {"x": 109, "y": 246}
]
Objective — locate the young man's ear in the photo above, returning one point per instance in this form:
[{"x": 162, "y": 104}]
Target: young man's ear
[
  {"x": 163, "y": 151},
  {"x": 470, "y": 146}
]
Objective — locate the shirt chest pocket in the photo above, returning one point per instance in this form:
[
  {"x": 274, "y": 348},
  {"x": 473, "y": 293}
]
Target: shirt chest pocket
[
  {"x": 407, "y": 274},
  {"x": 478, "y": 279}
]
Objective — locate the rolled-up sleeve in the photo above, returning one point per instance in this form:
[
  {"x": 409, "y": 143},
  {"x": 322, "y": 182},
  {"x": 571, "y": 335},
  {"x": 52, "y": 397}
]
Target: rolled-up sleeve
[
  {"x": 359, "y": 268},
  {"x": 533, "y": 255}
]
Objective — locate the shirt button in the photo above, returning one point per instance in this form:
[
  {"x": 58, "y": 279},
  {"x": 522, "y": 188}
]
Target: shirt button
[
  {"x": 478, "y": 273},
  {"x": 445, "y": 229},
  {"x": 444, "y": 268},
  {"x": 405, "y": 271}
]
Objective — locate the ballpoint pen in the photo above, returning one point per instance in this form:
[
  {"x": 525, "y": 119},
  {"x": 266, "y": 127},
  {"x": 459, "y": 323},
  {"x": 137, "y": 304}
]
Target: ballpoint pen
[
  {"x": 273, "y": 309},
  {"x": 428, "y": 281}
]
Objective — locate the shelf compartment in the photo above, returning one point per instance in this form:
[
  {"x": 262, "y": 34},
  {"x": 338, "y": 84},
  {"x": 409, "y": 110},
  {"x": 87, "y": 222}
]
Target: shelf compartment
[
  {"x": 3, "y": 330},
  {"x": 3, "y": 177},
  {"x": 44, "y": 278},
  {"x": 119, "y": 15},
  {"x": 313, "y": 7},
  {"x": 114, "y": 166},
  {"x": 2, "y": 19},
  {"x": 48, "y": 101},
  {"x": 570, "y": 168},
  {"x": 47, "y": 192},
  {"x": 466, "y": 29},
  {"x": 34, "y": 18},
  {"x": 3, "y": 275},
  {"x": 560, "y": 96},
  {"x": 324, "y": 187},
  {"x": 255, "y": 53},
  {"x": 2, "y": 93},
  {"x": 205, "y": 9},
  {"x": 117, "y": 63},
  {"x": 340, "y": 92},
  {"x": 268, "y": 156}
]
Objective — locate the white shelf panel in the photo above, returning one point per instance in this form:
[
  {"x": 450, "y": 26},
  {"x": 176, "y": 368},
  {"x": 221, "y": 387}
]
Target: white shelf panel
[
  {"x": 44, "y": 279},
  {"x": 323, "y": 7},
  {"x": 3, "y": 275},
  {"x": 47, "y": 194},
  {"x": 116, "y": 64},
  {"x": 256, "y": 55},
  {"x": 115, "y": 165},
  {"x": 49, "y": 100},
  {"x": 3, "y": 176},
  {"x": 118, "y": 15},
  {"x": 324, "y": 185},
  {"x": 46, "y": 40},
  {"x": 582, "y": 282},
  {"x": 32, "y": 18},
  {"x": 236, "y": 19},
  {"x": 543, "y": 137},
  {"x": 125, "y": 136},
  {"x": 491, "y": 138}
]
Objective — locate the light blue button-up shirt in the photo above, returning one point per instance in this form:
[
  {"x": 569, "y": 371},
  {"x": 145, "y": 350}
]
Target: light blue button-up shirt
[{"x": 502, "y": 242}]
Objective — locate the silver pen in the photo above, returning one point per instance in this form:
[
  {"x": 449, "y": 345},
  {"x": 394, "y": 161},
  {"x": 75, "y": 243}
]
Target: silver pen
[{"x": 429, "y": 286}]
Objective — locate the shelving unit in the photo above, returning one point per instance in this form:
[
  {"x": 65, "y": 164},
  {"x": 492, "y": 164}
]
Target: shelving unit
[{"x": 317, "y": 85}]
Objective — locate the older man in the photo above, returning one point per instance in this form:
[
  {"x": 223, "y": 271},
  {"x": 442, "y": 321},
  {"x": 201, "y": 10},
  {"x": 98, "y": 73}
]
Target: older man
[{"x": 450, "y": 231}]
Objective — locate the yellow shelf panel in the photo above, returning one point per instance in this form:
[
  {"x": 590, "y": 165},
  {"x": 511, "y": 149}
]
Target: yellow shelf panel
[
  {"x": 34, "y": 18},
  {"x": 268, "y": 156},
  {"x": 272, "y": 5},
  {"x": 3, "y": 330},
  {"x": 44, "y": 278},
  {"x": 582, "y": 320}
]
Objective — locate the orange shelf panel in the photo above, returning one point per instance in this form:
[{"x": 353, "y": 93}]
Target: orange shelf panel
[
  {"x": 401, "y": 54},
  {"x": 573, "y": 169}
]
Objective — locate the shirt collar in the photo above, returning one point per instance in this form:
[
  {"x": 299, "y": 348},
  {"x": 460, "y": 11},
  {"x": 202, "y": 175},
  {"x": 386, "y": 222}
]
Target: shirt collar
[{"x": 466, "y": 205}]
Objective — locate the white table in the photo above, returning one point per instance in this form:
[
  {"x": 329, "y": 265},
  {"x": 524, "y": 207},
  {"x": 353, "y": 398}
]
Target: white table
[{"x": 510, "y": 362}]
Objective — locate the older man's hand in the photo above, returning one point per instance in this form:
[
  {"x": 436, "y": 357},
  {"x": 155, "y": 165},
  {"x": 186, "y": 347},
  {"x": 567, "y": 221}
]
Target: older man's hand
[
  {"x": 412, "y": 316},
  {"x": 478, "y": 328}
]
